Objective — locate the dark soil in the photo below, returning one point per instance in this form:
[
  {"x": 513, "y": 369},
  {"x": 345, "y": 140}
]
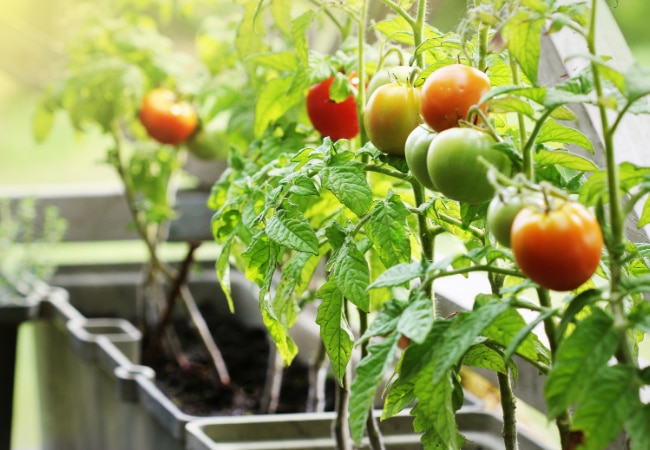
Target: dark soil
[{"x": 194, "y": 385}]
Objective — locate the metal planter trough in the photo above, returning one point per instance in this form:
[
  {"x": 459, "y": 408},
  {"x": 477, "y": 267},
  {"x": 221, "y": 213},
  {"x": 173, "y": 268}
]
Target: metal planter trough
[{"x": 314, "y": 432}]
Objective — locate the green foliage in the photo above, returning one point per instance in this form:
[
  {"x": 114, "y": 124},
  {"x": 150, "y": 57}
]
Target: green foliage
[{"x": 341, "y": 225}]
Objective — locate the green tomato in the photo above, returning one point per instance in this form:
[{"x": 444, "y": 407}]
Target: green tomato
[
  {"x": 210, "y": 142},
  {"x": 454, "y": 166},
  {"x": 386, "y": 75},
  {"x": 416, "y": 150},
  {"x": 392, "y": 112},
  {"x": 502, "y": 211}
]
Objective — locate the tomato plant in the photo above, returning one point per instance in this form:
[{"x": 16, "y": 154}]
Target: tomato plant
[
  {"x": 502, "y": 211},
  {"x": 559, "y": 247},
  {"x": 416, "y": 150},
  {"x": 455, "y": 168},
  {"x": 392, "y": 112},
  {"x": 449, "y": 93},
  {"x": 166, "y": 119},
  {"x": 338, "y": 120}
]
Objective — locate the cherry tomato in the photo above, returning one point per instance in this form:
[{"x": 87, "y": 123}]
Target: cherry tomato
[
  {"x": 557, "y": 248},
  {"x": 392, "y": 112},
  {"x": 448, "y": 94},
  {"x": 416, "y": 149},
  {"x": 329, "y": 118},
  {"x": 454, "y": 166},
  {"x": 502, "y": 211},
  {"x": 166, "y": 119}
]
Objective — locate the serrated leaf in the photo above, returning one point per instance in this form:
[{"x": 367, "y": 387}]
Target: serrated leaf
[
  {"x": 369, "y": 373},
  {"x": 600, "y": 416},
  {"x": 637, "y": 427},
  {"x": 281, "y": 11},
  {"x": 554, "y": 132},
  {"x": 522, "y": 34},
  {"x": 260, "y": 257},
  {"x": 281, "y": 61},
  {"x": 485, "y": 357},
  {"x": 525, "y": 342},
  {"x": 347, "y": 181},
  {"x": 287, "y": 348},
  {"x": 352, "y": 275},
  {"x": 505, "y": 330},
  {"x": 291, "y": 229},
  {"x": 465, "y": 328},
  {"x": 273, "y": 102},
  {"x": 578, "y": 360},
  {"x": 334, "y": 329},
  {"x": 299, "y": 27},
  {"x": 398, "y": 275},
  {"x": 303, "y": 185},
  {"x": 417, "y": 318},
  {"x": 434, "y": 413},
  {"x": 222, "y": 268},
  {"x": 565, "y": 159},
  {"x": 389, "y": 232}
]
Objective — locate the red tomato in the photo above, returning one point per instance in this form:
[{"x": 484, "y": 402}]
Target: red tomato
[
  {"x": 558, "y": 249},
  {"x": 336, "y": 120},
  {"x": 166, "y": 119},
  {"x": 449, "y": 93},
  {"x": 392, "y": 112}
]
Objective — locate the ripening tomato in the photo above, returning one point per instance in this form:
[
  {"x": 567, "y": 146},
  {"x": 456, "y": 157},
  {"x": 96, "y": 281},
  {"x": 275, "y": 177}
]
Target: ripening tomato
[
  {"x": 558, "y": 248},
  {"x": 329, "y": 118},
  {"x": 455, "y": 168},
  {"x": 416, "y": 149},
  {"x": 392, "y": 112},
  {"x": 448, "y": 94},
  {"x": 167, "y": 119}
]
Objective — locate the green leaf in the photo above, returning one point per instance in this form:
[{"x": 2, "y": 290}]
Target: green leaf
[
  {"x": 299, "y": 27},
  {"x": 522, "y": 34},
  {"x": 554, "y": 132},
  {"x": 637, "y": 84},
  {"x": 506, "y": 329},
  {"x": 485, "y": 357},
  {"x": 465, "y": 328},
  {"x": 417, "y": 319},
  {"x": 334, "y": 329},
  {"x": 565, "y": 159},
  {"x": 347, "y": 181},
  {"x": 525, "y": 337},
  {"x": 509, "y": 104},
  {"x": 279, "y": 332},
  {"x": 398, "y": 275},
  {"x": 578, "y": 360},
  {"x": 389, "y": 232},
  {"x": 223, "y": 273},
  {"x": 285, "y": 61},
  {"x": 434, "y": 412},
  {"x": 637, "y": 427},
  {"x": 600, "y": 416},
  {"x": 303, "y": 185},
  {"x": 291, "y": 229},
  {"x": 576, "y": 305},
  {"x": 273, "y": 102},
  {"x": 281, "y": 11},
  {"x": 352, "y": 275},
  {"x": 369, "y": 373},
  {"x": 261, "y": 257}
]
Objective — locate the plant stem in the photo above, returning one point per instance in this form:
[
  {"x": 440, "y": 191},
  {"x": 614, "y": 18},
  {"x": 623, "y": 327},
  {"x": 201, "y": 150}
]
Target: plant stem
[
  {"x": 509, "y": 405},
  {"x": 616, "y": 246},
  {"x": 563, "y": 421}
]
